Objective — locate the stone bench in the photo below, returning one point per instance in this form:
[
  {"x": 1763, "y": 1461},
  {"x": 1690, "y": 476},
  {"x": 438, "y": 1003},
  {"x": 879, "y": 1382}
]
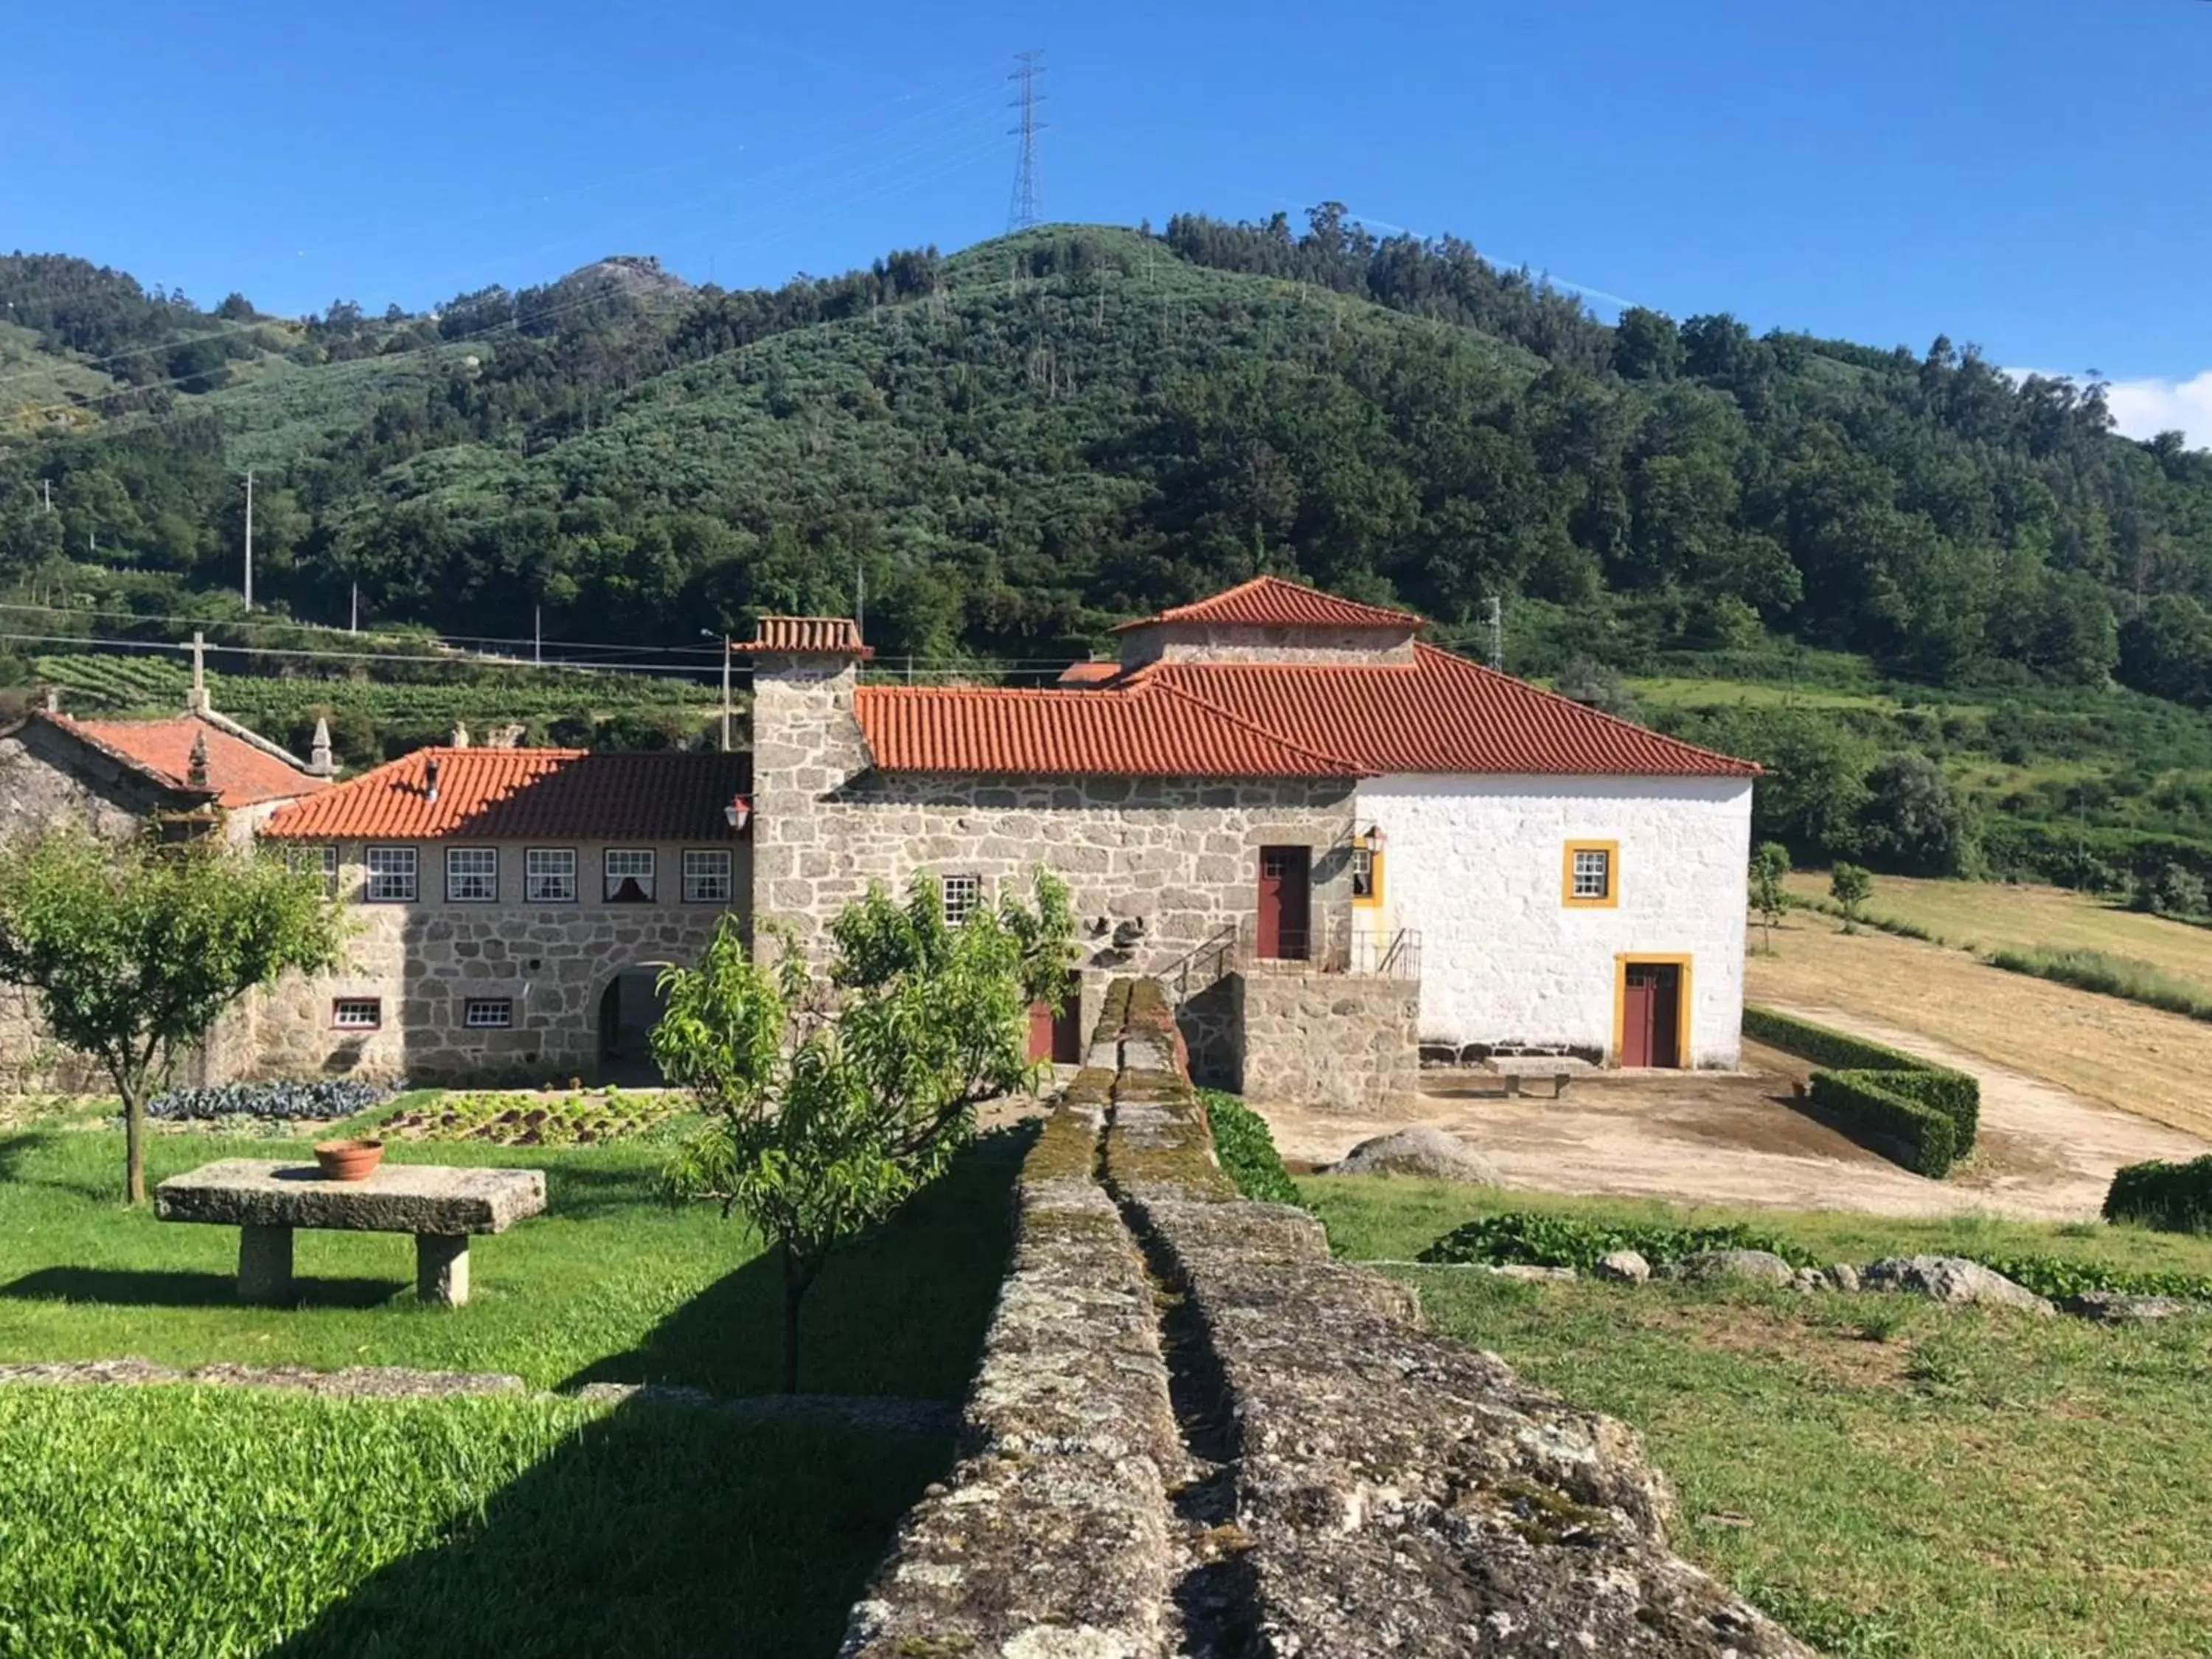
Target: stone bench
[
  {"x": 1560, "y": 1068},
  {"x": 266, "y": 1200}
]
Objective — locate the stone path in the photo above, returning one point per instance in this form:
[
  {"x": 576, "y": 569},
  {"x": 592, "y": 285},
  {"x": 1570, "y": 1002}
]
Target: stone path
[{"x": 890, "y": 1414}]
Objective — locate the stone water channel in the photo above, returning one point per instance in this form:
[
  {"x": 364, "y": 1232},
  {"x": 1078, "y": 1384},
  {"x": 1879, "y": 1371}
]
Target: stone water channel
[{"x": 1194, "y": 1433}]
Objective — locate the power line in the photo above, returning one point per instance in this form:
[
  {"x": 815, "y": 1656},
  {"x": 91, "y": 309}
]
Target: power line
[{"x": 1029, "y": 192}]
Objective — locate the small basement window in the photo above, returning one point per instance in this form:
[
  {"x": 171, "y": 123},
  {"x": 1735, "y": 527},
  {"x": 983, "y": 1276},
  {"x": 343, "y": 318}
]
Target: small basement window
[
  {"x": 1590, "y": 879},
  {"x": 962, "y": 895},
  {"x": 391, "y": 875},
  {"x": 629, "y": 875},
  {"x": 707, "y": 875},
  {"x": 356, "y": 1013},
  {"x": 488, "y": 1013}
]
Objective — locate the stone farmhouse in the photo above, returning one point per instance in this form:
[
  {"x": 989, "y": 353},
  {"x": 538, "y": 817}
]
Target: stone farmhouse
[
  {"x": 194, "y": 775},
  {"x": 1334, "y": 843}
]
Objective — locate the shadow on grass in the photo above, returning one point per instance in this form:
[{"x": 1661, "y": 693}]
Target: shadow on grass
[
  {"x": 167, "y": 1288},
  {"x": 657, "y": 1530},
  {"x": 901, "y": 1310},
  {"x": 676, "y": 1530}
]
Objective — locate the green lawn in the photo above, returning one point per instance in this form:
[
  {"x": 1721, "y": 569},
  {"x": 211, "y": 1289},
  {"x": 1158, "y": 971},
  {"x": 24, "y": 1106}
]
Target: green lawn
[
  {"x": 1897, "y": 1479},
  {"x": 609, "y": 1284},
  {"x": 205, "y": 1523}
]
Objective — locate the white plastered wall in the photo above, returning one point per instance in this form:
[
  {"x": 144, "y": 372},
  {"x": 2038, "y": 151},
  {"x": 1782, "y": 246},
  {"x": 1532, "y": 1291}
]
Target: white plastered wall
[{"x": 1474, "y": 864}]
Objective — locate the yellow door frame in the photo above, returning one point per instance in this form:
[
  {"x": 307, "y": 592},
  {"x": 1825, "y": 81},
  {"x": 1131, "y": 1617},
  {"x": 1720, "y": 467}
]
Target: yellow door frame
[{"x": 1621, "y": 964}]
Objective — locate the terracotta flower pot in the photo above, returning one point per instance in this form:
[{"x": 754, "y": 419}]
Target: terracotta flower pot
[{"x": 349, "y": 1160}]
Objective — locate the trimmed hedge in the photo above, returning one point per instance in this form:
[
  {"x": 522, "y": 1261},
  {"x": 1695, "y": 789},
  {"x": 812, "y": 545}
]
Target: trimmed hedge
[
  {"x": 1885, "y": 1090},
  {"x": 1247, "y": 1149},
  {"x": 2174, "y": 1198},
  {"x": 1868, "y": 1102}
]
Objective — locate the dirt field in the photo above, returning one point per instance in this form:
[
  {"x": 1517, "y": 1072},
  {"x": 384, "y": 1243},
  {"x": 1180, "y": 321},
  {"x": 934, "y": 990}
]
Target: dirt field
[
  {"x": 1984, "y": 915},
  {"x": 1700, "y": 1138},
  {"x": 2155, "y": 1065}
]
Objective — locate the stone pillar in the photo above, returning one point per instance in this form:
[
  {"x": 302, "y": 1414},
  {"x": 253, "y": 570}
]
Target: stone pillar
[
  {"x": 442, "y": 1269},
  {"x": 264, "y": 1264}
]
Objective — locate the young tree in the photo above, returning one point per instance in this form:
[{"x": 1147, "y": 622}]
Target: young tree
[
  {"x": 1769, "y": 866},
  {"x": 1850, "y": 887},
  {"x": 831, "y": 1103},
  {"x": 134, "y": 951}
]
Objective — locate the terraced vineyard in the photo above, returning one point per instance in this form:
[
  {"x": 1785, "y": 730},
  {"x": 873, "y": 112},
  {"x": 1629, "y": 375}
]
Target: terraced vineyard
[{"x": 109, "y": 682}]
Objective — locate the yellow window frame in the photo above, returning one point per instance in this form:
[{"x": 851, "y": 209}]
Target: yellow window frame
[
  {"x": 1374, "y": 881},
  {"x": 1612, "y": 897}
]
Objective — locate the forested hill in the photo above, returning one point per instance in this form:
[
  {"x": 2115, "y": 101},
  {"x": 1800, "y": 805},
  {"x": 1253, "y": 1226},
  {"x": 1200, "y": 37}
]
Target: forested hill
[{"x": 1028, "y": 440}]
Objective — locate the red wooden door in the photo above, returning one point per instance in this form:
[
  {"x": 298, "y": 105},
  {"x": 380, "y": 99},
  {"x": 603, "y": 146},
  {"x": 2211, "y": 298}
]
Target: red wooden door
[
  {"x": 1041, "y": 1032},
  {"x": 1651, "y": 1008},
  {"x": 1286, "y": 903},
  {"x": 1059, "y": 1037}
]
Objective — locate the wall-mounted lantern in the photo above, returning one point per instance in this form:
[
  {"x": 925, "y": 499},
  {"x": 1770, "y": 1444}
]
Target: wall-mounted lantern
[{"x": 738, "y": 812}]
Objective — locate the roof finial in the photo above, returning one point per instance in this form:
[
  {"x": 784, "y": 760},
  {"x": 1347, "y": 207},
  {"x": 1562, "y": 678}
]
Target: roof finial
[
  {"x": 318, "y": 754},
  {"x": 196, "y": 701},
  {"x": 460, "y": 735},
  {"x": 53, "y": 700},
  {"x": 195, "y": 768}
]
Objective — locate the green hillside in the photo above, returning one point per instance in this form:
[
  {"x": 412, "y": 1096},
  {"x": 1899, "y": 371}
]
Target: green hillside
[{"x": 1021, "y": 444}]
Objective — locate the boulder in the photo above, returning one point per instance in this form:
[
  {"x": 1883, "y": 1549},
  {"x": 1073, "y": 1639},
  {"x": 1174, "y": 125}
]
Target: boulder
[
  {"x": 2117, "y": 1308},
  {"x": 1810, "y": 1279},
  {"x": 1417, "y": 1151},
  {"x": 1953, "y": 1280},
  {"x": 1752, "y": 1266},
  {"x": 1623, "y": 1267},
  {"x": 1843, "y": 1276}
]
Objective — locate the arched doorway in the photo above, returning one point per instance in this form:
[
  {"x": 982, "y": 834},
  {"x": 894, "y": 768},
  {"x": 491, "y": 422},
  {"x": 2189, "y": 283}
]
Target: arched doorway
[{"x": 629, "y": 1008}]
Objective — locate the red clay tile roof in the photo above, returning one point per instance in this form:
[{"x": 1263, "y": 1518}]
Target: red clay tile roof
[
  {"x": 527, "y": 794},
  {"x": 1089, "y": 673},
  {"x": 238, "y": 774},
  {"x": 1155, "y": 731},
  {"x": 1437, "y": 713},
  {"x": 824, "y": 636},
  {"x": 1270, "y": 602}
]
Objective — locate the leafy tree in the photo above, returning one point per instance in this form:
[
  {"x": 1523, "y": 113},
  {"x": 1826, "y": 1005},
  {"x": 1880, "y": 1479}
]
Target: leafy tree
[
  {"x": 832, "y": 1102},
  {"x": 1587, "y": 681},
  {"x": 1912, "y": 822},
  {"x": 133, "y": 951},
  {"x": 1850, "y": 886},
  {"x": 1770, "y": 867},
  {"x": 2176, "y": 890}
]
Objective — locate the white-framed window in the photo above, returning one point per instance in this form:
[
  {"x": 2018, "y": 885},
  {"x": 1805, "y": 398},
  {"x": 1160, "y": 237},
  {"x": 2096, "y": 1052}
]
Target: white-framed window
[
  {"x": 323, "y": 860},
  {"x": 330, "y": 852},
  {"x": 707, "y": 875},
  {"x": 471, "y": 875},
  {"x": 628, "y": 875},
  {"x": 549, "y": 875},
  {"x": 961, "y": 895},
  {"x": 488, "y": 1013},
  {"x": 391, "y": 875},
  {"x": 1590, "y": 872},
  {"x": 356, "y": 1013},
  {"x": 1363, "y": 873}
]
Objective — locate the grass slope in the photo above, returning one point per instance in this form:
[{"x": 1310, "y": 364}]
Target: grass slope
[
  {"x": 202, "y": 1523},
  {"x": 610, "y": 1285},
  {"x": 1895, "y": 1480}
]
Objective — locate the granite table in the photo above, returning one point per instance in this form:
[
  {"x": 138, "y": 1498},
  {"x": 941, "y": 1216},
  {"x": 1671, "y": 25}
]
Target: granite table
[{"x": 266, "y": 1200}]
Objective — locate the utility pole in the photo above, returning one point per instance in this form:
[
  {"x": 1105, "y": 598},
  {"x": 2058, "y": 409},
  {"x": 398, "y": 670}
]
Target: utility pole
[
  {"x": 1027, "y": 201},
  {"x": 353, "y": 611},
  {"x": 1497, "y": 633},
  {"x": 861, "y": 599},
  {"x": 249, "y": 539},
  {"x": 47, "y": 484},
  {"x": 537, "y": 635},
  {"x": 725, "y": 693}
]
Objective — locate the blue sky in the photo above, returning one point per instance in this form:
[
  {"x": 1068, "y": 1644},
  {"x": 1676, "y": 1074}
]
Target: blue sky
[{"x": 2030, "y": 174}]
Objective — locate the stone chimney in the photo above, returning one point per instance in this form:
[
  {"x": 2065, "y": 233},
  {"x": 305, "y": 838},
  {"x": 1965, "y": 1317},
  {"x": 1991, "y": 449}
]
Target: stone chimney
[
  {"x": 195, "y": 768},
  {"x": 319, "y": 761},
  {"x": 430, "y": 778},
  {"x": 53, "y": 700}
]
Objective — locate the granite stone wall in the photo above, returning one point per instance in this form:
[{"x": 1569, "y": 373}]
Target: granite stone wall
[
  {"x": 1344, "y": 1042},
  {"x": 424, "y": 962},
  {"x": 1179, "y": 855}
]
